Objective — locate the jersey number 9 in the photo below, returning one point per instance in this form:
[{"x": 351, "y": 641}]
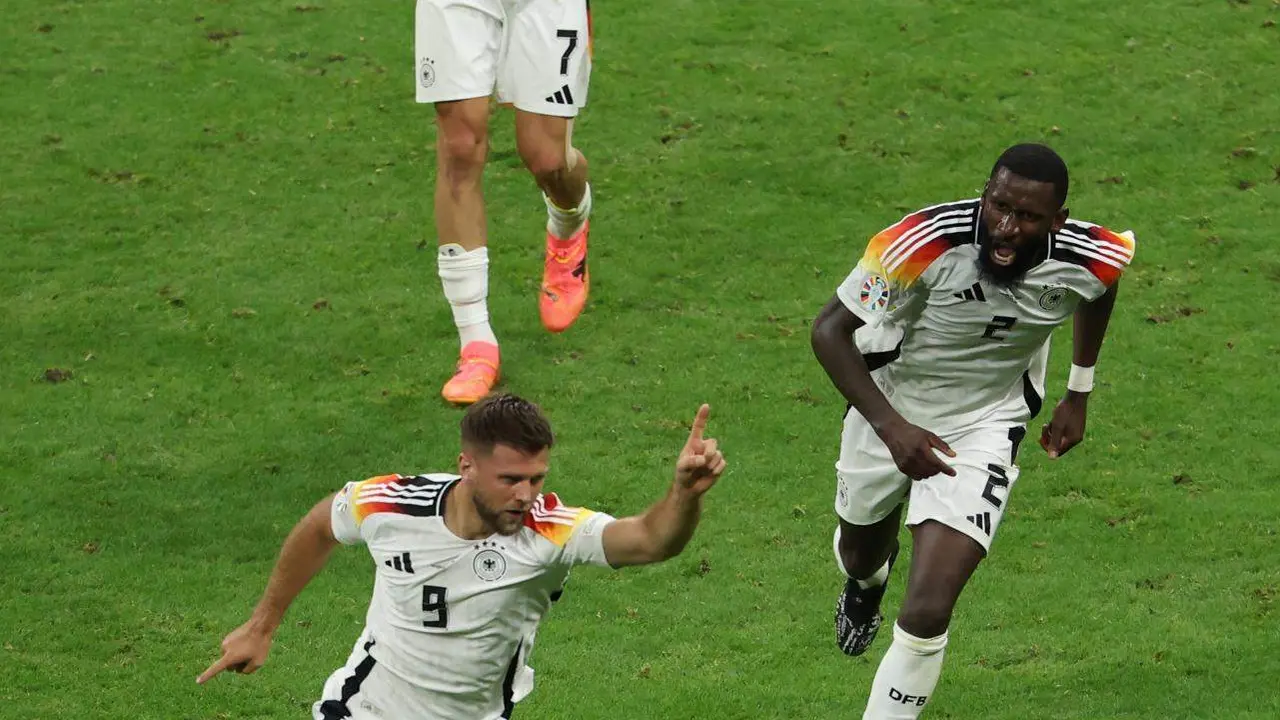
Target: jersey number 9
[{"x": 433, "y": 605}]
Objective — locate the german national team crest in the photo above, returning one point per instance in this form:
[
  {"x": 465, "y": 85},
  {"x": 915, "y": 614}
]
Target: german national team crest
[
  {"x": 427, "y": 73},
  {"x": 489, "y": 565},
  {"x": 874, "y": 294},
  {"x": 1051, "y": 298}
]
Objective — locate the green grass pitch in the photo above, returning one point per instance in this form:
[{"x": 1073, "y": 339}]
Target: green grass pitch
[{"x": 218, "y": 302}]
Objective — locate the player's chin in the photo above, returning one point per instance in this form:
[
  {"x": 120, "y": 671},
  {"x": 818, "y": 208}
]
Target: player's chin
[
  {"x": 510, "y": 522},
  {"x": 1003, "y": 275}
]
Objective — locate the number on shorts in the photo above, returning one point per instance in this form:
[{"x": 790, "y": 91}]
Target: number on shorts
[
  {"x": 572, "y": 35},
  {"x": 434, "y": 606},
  {"x": 998, "y": 324},
  {"x": 998, "y": 479}
]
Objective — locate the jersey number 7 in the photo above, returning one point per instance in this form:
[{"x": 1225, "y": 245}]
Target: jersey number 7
[{"x": 433, "y": 604}]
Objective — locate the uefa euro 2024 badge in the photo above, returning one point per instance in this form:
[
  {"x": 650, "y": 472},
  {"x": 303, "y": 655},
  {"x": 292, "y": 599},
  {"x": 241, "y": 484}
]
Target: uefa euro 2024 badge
[{"x": 874, "y": 294}]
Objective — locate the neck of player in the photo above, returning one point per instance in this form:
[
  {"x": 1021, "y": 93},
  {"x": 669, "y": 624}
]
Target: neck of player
[{"x": 460, "y": 515}]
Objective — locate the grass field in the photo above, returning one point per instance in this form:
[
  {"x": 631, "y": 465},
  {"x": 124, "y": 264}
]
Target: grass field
[{"x": 218, "y": 303}]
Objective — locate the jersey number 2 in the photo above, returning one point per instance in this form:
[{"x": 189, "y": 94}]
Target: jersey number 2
[
  {"x": 433, "y": 605},
  {"x": 997, "y": 479},
  {"x": 999, "y": 324}
]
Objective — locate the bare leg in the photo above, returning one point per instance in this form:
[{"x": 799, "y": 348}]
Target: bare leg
[
  {"x": 462, "y": 143},
  {"x": 560, "y": 170}
]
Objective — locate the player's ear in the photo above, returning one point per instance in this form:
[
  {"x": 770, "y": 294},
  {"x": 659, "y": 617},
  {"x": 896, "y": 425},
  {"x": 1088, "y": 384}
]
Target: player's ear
[
  {"x": 1061, "y": 218},
  {"x": 465, "y": 464}
]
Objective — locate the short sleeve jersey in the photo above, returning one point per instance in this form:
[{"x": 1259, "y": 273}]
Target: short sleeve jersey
[
  {"x": 957, "y": 349},
  {"x": 449, "y": 615}
]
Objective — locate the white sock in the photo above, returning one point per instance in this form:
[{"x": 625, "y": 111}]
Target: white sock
[
  {"x": 877, "y": 578},
  {"x": 907, "y": 676},
  {"x": 564, "y": 223},
  {"x": 465, "y": 278}
]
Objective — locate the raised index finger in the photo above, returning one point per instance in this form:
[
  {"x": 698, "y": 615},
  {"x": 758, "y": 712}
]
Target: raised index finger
[{"x": 700, "y": 422}]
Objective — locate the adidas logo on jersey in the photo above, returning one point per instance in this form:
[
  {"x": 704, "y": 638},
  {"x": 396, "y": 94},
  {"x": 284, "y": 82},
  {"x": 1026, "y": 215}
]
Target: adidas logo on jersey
[
  {"x": 400, "y": 562},
  {"x": 973, "y": 293},
  {"x": 561, "y": 96},
  {"x": 982, "y": 520}
]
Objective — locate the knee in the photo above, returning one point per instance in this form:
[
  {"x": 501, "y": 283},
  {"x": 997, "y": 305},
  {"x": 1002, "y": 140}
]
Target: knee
[
  {"x": 544, "y": 159},
  {"x": 462, "y": 151},
  {"x": 925, "y": 615},
  {"x": 860, "y": 559}
]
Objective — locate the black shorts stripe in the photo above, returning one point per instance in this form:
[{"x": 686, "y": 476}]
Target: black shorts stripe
[
  {"x": 1016, "y": 434},
  {"x": 508, "y": 684},
  {"x": 1034, "y": 401},
  {"x": 337, "y": 709}
]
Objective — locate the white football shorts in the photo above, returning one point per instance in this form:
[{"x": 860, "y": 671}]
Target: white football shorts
[
  {"x": 363, "y": 689},
  {"x": 535, "y": 53},
  {"x": 869, "y": 485}
]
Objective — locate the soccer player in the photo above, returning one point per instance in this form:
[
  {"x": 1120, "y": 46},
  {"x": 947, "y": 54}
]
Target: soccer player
[
  {"x": 537, "y": 54},
  {"x": 939, "y": 340},
  {"x": 467, "y": 565}
]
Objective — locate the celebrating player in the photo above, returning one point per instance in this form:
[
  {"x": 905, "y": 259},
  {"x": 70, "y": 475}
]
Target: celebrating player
[
  {"x": 939, "y": 340},
  {"x": 537, "y": 53},
  {"x": 467, "y": 565}
]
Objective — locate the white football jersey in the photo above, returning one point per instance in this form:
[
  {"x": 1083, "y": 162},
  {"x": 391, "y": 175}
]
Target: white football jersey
[
  {"x": 952, "y": 350},
  {"x": 455, "y": 618}
]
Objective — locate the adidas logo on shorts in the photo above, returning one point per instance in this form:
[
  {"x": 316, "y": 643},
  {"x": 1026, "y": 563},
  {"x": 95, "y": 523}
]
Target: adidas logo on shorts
[
  {"x": 561, "y": 96},
  {"x": 982, "y": 520}
]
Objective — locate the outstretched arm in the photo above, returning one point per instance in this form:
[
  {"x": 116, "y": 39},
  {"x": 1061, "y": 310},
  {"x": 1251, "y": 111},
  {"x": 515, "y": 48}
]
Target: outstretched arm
[
  {"x": 662, "y": 531},
  {"x": 1066, "y": 429},
  {"x": 304, "y": 553}
]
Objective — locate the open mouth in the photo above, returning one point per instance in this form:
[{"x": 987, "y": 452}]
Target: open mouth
[{"x": 1003, "y": 255}]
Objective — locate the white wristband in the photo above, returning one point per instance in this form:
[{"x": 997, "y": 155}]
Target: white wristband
[{"x": 1081, "y": 379}]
